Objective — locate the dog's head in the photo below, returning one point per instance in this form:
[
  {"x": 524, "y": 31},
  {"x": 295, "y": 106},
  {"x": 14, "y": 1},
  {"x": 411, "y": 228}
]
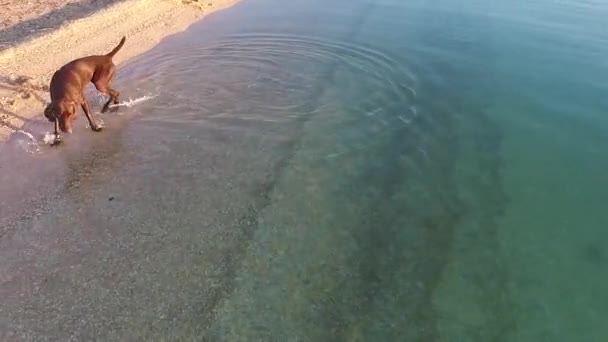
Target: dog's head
[{"x": 63, "y": 114}]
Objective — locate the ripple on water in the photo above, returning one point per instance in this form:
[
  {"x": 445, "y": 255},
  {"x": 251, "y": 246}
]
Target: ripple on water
[
  {"x": 267, "y": 78},
  {"x": 368, "y": 159}
]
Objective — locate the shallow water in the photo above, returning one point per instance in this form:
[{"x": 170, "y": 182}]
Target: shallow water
[{"x": 354, "y": 170}]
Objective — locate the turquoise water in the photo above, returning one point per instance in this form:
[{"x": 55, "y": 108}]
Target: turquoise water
[
  {"x": 363, "y": 170},
  {"x": 451, "y": 188}
]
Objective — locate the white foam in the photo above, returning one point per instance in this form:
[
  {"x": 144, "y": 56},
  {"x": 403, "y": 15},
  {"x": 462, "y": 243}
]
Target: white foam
[
  {"x": 412, "y": 90},
  {"x": 405, "y": 120},
  {"x": 423, "y": 151},
  {"x": 414, "y": 110},
  {"x": 48, "y": 138},
  {"x": 375, "y": 111},
  {"x": 133, "y": 102}
]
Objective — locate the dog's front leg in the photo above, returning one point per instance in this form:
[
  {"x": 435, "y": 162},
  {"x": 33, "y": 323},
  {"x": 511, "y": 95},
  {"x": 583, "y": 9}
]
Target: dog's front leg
[
  {"x": 87, "y": 111},
  {"x": 57, "y": 139}
]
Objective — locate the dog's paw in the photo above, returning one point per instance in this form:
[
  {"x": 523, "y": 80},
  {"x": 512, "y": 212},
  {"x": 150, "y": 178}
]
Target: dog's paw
[
  {"x": 57, "y": 141},
  {"x": 97, "y": 128}
]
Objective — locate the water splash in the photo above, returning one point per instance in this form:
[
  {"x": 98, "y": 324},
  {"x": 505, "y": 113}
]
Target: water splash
[
  {"x": 133, "y": 102},
  {"x": 48, "y": 138},
  {"x": 29, "y": 145}
]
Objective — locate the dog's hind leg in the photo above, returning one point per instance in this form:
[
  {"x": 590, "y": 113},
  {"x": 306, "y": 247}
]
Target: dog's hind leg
[
  {"x": 114, "y": 94},
  {"x": 103, "y": 84},
  {"x": 87, "y": 112}
]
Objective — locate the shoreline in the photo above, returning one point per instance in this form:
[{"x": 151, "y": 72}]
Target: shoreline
[{"x": 26, "y": 67}]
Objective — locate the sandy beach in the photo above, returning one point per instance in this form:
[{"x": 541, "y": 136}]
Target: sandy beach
[{"x": 36, "y": 38}]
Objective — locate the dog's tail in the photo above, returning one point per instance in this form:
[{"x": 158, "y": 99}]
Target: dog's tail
[{"x": 113, "y": 52}]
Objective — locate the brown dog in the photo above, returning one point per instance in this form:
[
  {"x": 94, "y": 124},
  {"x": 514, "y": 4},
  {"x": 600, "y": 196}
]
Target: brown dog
[{"x": 67, "y": 90}]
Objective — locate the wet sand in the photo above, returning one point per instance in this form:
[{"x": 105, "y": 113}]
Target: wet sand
[{"x": 39, "y": 37}]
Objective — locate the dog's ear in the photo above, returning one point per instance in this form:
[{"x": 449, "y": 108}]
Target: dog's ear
[{"x": 49, "y": 113}]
